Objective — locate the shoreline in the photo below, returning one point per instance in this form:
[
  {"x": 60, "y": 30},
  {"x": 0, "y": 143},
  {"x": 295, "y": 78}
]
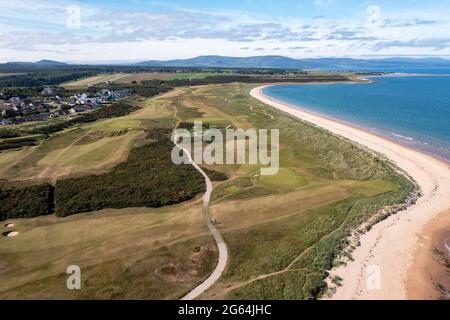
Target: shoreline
[
  {"x": 428, "y": 276},
  {"x": 391, "y": 244},
  {"x": 414, "y": 144}
]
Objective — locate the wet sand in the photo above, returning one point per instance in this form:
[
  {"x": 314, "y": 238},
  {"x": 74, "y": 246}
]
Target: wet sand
[{"x": 429, "y": 274}]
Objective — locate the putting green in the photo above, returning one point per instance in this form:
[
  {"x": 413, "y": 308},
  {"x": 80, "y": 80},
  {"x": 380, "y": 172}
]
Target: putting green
[{"x": 286, "y": 178}]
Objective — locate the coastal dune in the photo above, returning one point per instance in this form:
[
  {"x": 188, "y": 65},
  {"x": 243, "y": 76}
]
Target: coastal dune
[{"x": 389, "y": 247}]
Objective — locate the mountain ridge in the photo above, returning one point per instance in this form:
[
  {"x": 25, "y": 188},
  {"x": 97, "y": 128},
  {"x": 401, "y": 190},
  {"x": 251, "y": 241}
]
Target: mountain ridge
[
  {"x": 282, "y": 62},
  {"x": 44, "y": 62},
  {"x": 268, "y": 62}
]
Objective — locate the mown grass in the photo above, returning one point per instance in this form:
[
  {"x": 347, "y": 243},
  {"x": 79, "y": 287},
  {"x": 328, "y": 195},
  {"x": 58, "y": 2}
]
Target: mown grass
[
  {"x": 285, "y": 179},
  {"x": 123, "y": 254}
]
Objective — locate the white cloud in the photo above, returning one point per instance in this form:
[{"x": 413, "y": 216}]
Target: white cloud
[
  {"x": 38, "y": 30},
  {"x": 323, "y": 3}
]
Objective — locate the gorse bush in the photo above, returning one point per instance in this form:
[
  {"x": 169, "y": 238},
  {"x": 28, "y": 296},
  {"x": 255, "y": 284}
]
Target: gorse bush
[
  {"x": 26, "y": 202},
  {"x": 18, "y": 143},
  {"x": 147, "y": 179},
  {"x": 5, "y": 134}
]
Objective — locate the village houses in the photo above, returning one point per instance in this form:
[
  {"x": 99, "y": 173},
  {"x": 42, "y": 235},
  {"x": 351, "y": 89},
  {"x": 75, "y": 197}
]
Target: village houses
[{"x": 52, "y": 103}]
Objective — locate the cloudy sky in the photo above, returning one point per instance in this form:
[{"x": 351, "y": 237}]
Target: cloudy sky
[{"x": 134, "y": 30}]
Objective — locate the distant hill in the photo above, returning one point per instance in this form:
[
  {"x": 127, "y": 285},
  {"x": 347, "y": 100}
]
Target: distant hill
[
  {"x": 281, "y": 62},
  {"x": 50, "y": 63},
  {"x": 255, "y": 62},
  {"x": 38, "y": 63},
  {"x": 229, "y": 62}
]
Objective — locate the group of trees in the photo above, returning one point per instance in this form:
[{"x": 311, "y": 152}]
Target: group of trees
[
  {"x": 150, "y": 88},
  {"x": 42, "y": 78},
  {"x": 29, "y": 75},
  {"x": 25, "y": 202},
  {"x": 7, "y": 134},
  {"x": 147, "y": 179},
  {"x": 18, "y": 143}
]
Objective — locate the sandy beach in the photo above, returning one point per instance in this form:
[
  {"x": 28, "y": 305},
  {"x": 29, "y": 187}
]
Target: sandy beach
[
  {"x": 428, "y": 276},
  {"x": 390, "y": 247}
]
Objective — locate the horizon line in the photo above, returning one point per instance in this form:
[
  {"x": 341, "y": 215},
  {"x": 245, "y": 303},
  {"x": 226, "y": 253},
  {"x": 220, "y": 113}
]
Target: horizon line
[{"x": 361, "y": 57}]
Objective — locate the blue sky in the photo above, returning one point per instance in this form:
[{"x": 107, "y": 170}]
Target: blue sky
[{"x": 136, "y": 30}]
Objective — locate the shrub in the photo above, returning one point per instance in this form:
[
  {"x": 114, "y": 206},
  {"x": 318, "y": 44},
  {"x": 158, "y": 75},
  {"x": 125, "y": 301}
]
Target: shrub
[
  {"x": 26, "y": 202},
  {"x": 147, "y": 179}
]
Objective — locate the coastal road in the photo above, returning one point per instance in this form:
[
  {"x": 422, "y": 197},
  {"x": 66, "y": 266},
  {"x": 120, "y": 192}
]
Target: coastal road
[{"x": 223, "y": 251}]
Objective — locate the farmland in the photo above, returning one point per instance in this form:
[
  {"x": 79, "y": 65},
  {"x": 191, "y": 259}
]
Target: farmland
[{"x": 128, "y": 78}]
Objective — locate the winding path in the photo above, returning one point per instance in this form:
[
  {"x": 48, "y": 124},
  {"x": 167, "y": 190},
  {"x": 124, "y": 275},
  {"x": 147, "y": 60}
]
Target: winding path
[{"x": 223, "y": 251}]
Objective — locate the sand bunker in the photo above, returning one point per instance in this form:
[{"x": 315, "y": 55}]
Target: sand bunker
[
  {"x": 10, "y": 225},
  {"x": 10, "y": 234}
]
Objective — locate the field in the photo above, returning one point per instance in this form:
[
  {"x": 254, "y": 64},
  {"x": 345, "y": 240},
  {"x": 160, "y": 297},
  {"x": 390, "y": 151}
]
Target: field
[
  {"x": 283, "y": 231},
  {"x": 127, "y": 78}
]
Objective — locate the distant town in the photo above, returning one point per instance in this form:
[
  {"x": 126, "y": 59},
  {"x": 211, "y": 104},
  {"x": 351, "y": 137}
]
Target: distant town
[{"x": 53, "y": 103}]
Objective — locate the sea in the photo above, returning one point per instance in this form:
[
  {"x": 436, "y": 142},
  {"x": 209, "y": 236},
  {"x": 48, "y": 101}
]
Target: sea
[{"x": 412, "y": 110}]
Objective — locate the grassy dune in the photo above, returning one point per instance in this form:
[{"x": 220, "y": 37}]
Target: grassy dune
[{"x": 282, "y": 231}]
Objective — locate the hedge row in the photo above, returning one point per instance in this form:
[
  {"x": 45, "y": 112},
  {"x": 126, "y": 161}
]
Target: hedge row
[{"x": 19, "y": 143}]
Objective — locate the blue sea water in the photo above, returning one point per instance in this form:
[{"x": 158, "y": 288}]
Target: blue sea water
[{"x": 412, "y": 110}]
